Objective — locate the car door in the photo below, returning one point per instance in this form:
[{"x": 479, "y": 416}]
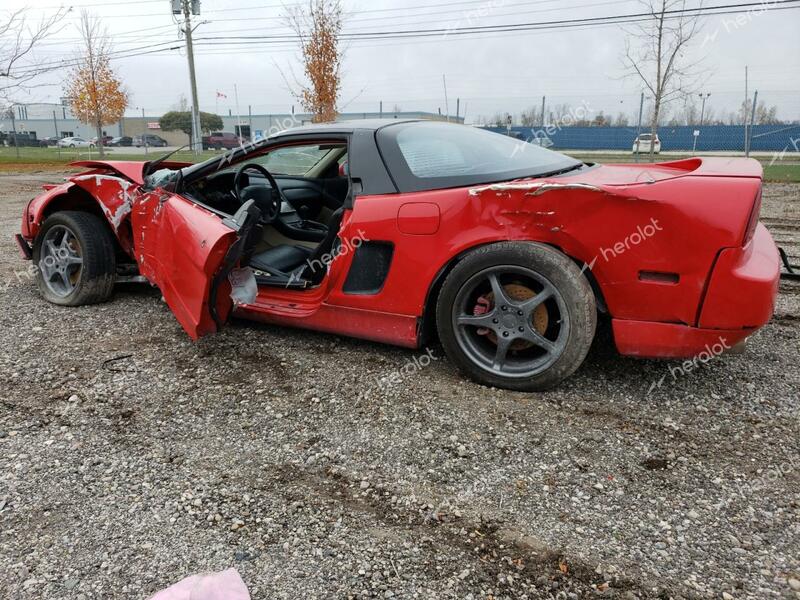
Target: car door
[{"x": 188, "y": 252}]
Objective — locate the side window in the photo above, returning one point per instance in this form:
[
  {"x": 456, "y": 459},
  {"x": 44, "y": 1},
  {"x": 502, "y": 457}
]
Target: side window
[{"x": 296, "y": 160}]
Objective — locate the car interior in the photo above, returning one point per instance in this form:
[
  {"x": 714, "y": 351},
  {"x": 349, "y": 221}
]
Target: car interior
[{"x": 300, "y": 191}]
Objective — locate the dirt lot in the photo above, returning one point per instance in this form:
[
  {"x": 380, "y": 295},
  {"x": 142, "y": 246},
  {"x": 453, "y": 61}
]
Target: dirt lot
[{"x": 131, "y": 457}]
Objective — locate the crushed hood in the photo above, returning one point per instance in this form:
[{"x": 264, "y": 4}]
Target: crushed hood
[{"x": 130, "y": 170}]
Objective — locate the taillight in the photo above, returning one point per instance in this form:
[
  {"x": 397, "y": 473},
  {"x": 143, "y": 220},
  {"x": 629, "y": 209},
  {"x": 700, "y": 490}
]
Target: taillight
[{"x": 751, "y": 224}]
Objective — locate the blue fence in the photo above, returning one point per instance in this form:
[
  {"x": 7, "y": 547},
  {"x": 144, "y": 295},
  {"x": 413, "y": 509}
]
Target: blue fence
[{"x": 711, "y": 138}]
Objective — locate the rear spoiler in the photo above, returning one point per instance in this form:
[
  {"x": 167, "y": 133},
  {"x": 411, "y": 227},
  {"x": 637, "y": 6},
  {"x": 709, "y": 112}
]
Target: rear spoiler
[{"x": 718, "y": 166}]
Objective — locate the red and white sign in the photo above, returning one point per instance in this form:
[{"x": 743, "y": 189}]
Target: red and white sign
[{"x": 153, "y": 125}]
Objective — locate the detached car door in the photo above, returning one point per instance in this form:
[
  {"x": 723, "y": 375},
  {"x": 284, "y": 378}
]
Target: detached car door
[{"x": 188, "y": 252}]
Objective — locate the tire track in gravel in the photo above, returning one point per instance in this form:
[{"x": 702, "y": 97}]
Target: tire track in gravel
[{"x": 497, "y": 552}]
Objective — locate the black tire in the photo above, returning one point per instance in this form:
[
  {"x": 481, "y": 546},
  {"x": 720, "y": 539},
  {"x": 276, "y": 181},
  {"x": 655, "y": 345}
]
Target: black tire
[
  {"x": 467, "y": 343},
  {"x": 93, "y": 280}
]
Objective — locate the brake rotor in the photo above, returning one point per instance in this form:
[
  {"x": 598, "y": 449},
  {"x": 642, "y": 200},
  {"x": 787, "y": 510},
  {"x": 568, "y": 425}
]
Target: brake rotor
[{"x": 519, "y": 293}]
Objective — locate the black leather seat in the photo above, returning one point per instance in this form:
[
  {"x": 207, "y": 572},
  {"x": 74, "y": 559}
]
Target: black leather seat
[
  {"x": 280, "y": 259},
  {"x": 307, "y": 265}
]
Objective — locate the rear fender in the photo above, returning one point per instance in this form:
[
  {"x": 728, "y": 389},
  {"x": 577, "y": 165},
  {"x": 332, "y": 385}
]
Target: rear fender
[{"x": 650, "y": 246}]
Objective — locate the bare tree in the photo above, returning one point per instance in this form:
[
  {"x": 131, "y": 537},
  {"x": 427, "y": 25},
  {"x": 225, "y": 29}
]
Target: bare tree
[
  {"x": 95, "y": 92},
  {"x": 18, "y": 39},
  {"x": 621, "y": 120},
  {"x": 656, "y": 53},
  {"x": 318, "y": 27}
]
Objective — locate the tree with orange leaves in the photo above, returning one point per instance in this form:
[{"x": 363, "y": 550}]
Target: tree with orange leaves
[
  {"x": 319, "y": 29},
  {"x": 96, "y": 94}
]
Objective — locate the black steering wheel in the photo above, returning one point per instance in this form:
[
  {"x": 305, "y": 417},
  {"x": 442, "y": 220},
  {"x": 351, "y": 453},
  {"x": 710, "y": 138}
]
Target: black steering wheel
[{"x": 268, "y": 201}]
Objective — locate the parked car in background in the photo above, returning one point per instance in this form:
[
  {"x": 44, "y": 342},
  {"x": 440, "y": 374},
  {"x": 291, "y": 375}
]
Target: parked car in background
[
  {"x": 150, "y": 140},
  {"x": 106, "y": 140},
  {"x": 49, "y": 141},
  {"x": 645, "y": 140},
  {"x": 541, "y": 139},
  {"x": 220, "y": 140},
  {"x": 73, "y": 142},
  {"x": 121, "y": 141},
  {"x": 22, "y": 139}
]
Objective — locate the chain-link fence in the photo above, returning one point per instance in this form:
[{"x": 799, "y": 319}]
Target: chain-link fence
[{"x": 766, "y": 125}]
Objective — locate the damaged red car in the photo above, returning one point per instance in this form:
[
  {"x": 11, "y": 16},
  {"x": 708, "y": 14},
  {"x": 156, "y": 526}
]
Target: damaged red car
[{"x": 402, "y": 231}]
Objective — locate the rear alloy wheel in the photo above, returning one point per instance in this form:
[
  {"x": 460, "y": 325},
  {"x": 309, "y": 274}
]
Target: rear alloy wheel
[
  {"x": 74, "y": 255},
  {"x": 516, "y": 315}
]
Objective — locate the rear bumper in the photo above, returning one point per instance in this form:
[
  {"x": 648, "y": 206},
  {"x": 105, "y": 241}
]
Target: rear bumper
[
  {"x": 645, "y": 339},
  {"x": 740, "y": 298},
  {"x": 743, "y": 286}
]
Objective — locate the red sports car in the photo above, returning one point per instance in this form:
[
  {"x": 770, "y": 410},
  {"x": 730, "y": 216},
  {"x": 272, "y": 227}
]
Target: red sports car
[{"x": 398, "y": 231}]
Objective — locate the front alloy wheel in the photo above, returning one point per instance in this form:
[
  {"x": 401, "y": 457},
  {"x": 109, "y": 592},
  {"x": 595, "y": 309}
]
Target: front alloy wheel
[{"x": 75, "y": 258}]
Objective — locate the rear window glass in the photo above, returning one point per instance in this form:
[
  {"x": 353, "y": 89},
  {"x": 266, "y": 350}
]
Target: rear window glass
[{"x": 459, "y": 154}]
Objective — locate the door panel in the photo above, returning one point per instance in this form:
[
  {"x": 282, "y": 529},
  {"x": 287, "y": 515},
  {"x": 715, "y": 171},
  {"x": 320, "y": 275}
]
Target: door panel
[{"x": 180, "y": 247}]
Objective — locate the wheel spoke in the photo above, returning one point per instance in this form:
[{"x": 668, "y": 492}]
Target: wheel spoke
[
  {"x": 73, "y": 260},
  {"x": 65, "y": 242},
  {"x": 484, "y": 320},
  {"x": 52, "y": 251},
  {"x": 503, "y": 344},
  {"x": 65, "y": 280},
  {"x": 498, "y": 291},
  {"x": 531, "y": 305},
  {"x": 533, "y": 336}
]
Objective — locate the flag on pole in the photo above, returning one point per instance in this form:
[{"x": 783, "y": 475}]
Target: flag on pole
[{"x": 221, "y": 95}]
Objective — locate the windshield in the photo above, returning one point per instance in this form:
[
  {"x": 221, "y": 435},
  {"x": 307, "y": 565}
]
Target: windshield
[{"x": 433, "y": 155}]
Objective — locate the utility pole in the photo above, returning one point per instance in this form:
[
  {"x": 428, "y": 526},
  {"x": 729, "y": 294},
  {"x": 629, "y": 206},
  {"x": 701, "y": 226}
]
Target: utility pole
[
  {"x": 744, "y": 109},
  {"x": 55, "y": 126},
  {"x": 238, "y": 129},
  {"x": 187, "y": 6},
  {"x": 446, "y": 105},
  {"x": 752, "y": 122},
  {"x": 380, "y": 109},
  {"x": 144, "y": 128},
  {"x": 703, "y": 97},
  {"x": 14, "y": 129},
  {"x": 458, "y": 108},
  {"x": 541, "y": 123},
  {"x": 639, "y": 126}
]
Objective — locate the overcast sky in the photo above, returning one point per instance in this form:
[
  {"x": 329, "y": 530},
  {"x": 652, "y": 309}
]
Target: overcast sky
[{"x": 493, "y": 72}]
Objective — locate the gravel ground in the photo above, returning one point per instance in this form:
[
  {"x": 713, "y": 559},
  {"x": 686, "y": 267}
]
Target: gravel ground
[{"x": 131, "y": 457}]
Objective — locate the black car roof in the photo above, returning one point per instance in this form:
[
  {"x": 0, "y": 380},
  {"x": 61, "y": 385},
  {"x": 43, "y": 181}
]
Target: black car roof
[{"x": 341, "y": 126}]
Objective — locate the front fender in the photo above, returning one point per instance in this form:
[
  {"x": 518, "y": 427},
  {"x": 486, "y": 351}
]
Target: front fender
[{"x": 110, "y": 196}]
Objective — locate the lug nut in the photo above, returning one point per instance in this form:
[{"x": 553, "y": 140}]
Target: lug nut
[
  {"x": 519, "y": 312},
  {"x": 522, "y": 329},
  {"x": 505, "y": 334},
  {"x": 504, "y": 307},
  {"x": 495, "y": 320}
]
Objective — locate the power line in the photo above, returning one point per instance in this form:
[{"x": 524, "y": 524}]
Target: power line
[{"x": 645, "y": 16}]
